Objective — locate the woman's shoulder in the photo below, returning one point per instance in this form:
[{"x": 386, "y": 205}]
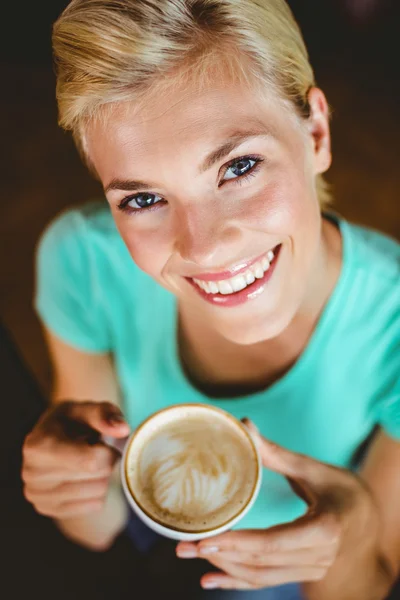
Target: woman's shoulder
[
  {"x": 371, "y": 279},
  {"x": 87, "y": 232},
  {"x": 372, "y": 252},
  {"x": 92, "y": 220},
  {"x": 367, "y": 294},
  {"x": 83, "y": 245},
  {"x": 83, "y": 240}
]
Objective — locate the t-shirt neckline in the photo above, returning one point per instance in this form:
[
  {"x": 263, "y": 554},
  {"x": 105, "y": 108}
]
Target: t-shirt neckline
[{"x": 315, "y": 340}]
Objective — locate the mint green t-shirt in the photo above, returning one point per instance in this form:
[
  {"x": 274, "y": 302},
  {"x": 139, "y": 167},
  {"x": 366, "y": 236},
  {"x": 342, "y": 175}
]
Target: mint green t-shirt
[{"x": 90, "y": 294}]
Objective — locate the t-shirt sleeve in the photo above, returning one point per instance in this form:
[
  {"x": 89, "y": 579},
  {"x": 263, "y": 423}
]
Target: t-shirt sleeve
[
  {"x": 66, "y": 285},
  {"x": 389, "y": 405},
  {"x": 390, "y": 417}
]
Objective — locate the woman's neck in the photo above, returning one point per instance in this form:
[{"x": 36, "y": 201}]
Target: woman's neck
[{"x": 219, "y": 367}]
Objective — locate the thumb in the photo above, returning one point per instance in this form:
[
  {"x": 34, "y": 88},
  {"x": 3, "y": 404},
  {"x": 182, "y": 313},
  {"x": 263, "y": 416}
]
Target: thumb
[
  {"x": 104, "y": 417},
  {"x": 300, "y": 470}
]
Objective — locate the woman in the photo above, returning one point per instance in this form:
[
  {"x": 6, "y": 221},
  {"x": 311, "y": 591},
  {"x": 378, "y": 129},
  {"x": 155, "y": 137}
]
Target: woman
[{"x": 203, "y": 123}]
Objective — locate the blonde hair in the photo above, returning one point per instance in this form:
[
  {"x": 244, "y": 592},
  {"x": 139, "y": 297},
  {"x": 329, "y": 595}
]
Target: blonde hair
[{"x": 108, "y": 51}]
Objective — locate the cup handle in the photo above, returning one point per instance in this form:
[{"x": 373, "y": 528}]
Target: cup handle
[{"x": 117, "y": 444}]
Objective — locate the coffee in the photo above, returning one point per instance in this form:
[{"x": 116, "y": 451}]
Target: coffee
[{"x": 192, "y": 468}]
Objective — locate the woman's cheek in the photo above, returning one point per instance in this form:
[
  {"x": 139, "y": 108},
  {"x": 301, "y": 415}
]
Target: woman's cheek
[
  {"x": 149, "y": 249},
  {"x": 274, "y": 209}
]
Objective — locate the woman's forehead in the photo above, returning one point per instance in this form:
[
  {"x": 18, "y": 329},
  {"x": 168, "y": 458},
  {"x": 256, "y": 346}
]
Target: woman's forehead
[{"x": 186, "y": 116}]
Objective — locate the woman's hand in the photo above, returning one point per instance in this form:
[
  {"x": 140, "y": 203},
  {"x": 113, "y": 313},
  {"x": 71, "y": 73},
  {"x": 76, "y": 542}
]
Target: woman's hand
[
  {"x": 341, "y": 521},
  {"x": 66, "y": 470}
]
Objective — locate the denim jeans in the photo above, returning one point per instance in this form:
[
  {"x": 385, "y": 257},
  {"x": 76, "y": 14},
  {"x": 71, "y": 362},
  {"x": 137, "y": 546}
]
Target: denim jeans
[{"x": 285, "y": 592}]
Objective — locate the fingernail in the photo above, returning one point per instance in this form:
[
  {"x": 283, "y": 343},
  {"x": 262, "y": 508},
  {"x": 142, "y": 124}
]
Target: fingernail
[
  {"x": 250, "y": 425},
  {"x": 116, "y": 419},
  {"x": 210, "y": 584},
  {"x": 209, "y": 549},
  {"x": 187, "y": 553}
]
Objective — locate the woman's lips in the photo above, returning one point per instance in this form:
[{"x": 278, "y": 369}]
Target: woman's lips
[
  {"x": 233, "y": 271},
  {"x": 250, "y": 292}
]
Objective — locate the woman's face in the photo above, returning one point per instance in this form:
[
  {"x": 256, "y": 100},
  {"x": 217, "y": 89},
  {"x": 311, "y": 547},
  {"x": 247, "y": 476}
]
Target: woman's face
[{"x": 214, "y": 196}]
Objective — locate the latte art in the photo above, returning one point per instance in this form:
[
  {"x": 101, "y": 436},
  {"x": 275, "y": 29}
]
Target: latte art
[
  {"x": 193, "y": 473},
  {"x": 188, "y": 470}
]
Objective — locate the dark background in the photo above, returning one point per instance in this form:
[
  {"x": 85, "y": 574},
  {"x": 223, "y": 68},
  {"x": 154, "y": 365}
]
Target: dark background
[{"x": 356, "y": 61}]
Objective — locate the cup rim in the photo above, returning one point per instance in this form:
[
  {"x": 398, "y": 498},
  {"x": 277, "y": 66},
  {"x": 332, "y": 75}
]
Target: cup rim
[{"x": 225, "y": 414}]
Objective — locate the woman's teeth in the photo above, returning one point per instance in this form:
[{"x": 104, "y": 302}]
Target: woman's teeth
[{"x": 238, "y": 282}]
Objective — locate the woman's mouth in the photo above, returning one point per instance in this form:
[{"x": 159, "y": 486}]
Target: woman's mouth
[{"x": 239, "y": 288}]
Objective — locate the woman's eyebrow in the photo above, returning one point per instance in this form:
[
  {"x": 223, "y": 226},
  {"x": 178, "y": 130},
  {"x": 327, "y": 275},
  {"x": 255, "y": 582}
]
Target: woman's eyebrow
[{"x": 233, "y": 141}]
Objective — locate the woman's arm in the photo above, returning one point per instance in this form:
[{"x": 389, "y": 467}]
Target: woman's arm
[
  {"x": 381, "y": 472},
  {"x": 82, "y": 376},
  {"x": 377, "y": 566}
]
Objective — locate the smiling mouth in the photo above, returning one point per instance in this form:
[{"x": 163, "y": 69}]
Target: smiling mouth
[{"x": 246, "y": 280}]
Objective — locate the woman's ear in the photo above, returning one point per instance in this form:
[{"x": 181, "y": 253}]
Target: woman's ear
[{"x": 318, "y": 126}]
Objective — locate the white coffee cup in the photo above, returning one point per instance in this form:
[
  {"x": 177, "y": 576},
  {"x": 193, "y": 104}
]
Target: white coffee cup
[{"x": 190, "y": 471}]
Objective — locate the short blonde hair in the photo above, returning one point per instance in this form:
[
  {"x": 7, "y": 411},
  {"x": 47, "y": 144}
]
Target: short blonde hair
[{"x": 108, "y": 51}]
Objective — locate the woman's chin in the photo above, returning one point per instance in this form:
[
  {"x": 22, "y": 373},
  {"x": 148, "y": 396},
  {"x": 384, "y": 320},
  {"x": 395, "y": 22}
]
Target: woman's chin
[{"x": 254, "y": 331}]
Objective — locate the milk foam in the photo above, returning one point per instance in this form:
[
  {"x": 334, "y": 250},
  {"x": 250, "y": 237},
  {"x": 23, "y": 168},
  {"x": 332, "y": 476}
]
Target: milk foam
[{"x": 194, "y": 472}]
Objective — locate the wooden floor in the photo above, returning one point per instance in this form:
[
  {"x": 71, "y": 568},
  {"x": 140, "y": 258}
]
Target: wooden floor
[{"x": 358, "y": 71}]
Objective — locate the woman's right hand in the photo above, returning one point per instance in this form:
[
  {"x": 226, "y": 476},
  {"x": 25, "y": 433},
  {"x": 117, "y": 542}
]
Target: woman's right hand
[{"x": 66, "y": 469}]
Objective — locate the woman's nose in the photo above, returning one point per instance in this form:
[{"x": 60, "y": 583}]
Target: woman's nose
[{"x": 206, "y": 240}]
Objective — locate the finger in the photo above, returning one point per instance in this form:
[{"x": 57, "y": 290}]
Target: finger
[
  {"x": 187, "y": 550},
  {"x": 71, "y": 509},
  {"x": 49, "y": 479},
  {"x": 301, "y": 488},
  {"x": 322, "y": 556},
  {"x": 250, "y": 426},
  {"x": 66, "y": 456},
  {"x": 285, "y": 461},
  {"x": 224, "y": 582},
  {"x": 311, "y": 475},
  {"x": 305, "y": 492},
  {"x": 267, "y": 577},
  {"x": 306, "y": 475},
  {"x": 68, "y": 492},
  {"x": 305, "y": 532},
  {"x": 104, "y": 417}
]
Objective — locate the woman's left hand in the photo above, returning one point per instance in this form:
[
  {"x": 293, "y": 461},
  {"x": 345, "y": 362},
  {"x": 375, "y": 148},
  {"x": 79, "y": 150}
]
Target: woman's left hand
[{"x": 341, "y": 523}]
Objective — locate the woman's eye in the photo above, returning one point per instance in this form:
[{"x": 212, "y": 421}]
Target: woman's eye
[
  {"x": 240, "y": 167},
  {"x": 139, "y": 202},
  {"x": 237, "y": 170}
]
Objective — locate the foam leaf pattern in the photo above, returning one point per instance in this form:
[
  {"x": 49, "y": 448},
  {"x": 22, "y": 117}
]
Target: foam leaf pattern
[{"x": 192, "y": 471}]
